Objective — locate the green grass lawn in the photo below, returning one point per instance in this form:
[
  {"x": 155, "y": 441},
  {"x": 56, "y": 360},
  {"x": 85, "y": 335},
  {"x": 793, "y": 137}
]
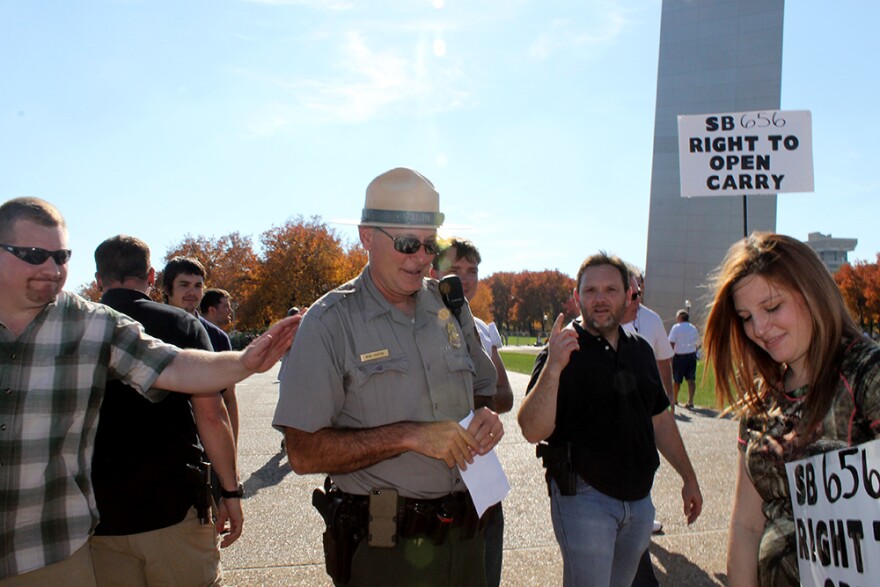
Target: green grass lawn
[
  {"x": 522, "y": 362},
  {"x": 521, "y": 340}
]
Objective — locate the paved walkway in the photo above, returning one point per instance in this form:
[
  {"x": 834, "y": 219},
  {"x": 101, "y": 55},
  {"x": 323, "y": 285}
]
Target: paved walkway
[{"x": 281, "y": 543}]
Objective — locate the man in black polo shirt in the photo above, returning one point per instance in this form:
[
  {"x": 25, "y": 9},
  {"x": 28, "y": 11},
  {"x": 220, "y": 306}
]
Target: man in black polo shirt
[
  {"x": 145, "y": 466},
  {"x": 596, "y": 397}
]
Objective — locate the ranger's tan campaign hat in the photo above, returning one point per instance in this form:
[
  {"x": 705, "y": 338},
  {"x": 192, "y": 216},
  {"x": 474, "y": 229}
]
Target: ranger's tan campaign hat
[{"x": 402, "y": 197}]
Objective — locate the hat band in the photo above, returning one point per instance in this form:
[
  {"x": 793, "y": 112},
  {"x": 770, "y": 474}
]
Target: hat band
[{"x": 377, "y": 216}]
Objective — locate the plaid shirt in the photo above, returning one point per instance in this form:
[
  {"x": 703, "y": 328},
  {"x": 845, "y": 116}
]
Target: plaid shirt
[{"x": 52, "y": 381}]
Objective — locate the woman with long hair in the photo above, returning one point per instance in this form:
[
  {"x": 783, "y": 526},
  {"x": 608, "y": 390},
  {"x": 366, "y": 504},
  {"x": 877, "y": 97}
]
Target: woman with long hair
[{"x": 786, "y": 351}]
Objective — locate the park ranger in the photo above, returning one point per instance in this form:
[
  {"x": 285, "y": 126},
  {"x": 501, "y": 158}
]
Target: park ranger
[{"x": 379, "y": 378}]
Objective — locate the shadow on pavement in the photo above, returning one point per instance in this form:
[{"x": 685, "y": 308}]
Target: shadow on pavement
[
  {"x": 268, "y": 475},
  {"x": 673, "y": 568}
]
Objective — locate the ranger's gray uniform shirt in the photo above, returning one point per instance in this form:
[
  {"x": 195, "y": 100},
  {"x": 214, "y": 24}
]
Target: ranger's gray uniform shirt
[{"x": 359, "y": 362}]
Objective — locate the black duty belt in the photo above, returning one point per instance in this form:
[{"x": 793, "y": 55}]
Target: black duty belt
[{"x": 431, "y": 517}]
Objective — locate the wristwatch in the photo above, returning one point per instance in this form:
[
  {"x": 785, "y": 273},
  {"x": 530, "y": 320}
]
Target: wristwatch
[{"x": 236, "y": 493}]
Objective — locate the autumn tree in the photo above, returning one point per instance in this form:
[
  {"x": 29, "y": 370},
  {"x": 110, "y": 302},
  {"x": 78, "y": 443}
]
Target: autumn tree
[
  {"x": 301, "y": 261},
  {"x": 873, "y": 283},
  {"x": 90, "y": 291},
  {"x": 351, "y": 263},
  {"x": 540, "y": 297},
  {"x": 559, "y": 289},
  {"x": 529, "y": 301},
  {"x": 500, "y": 285},
  {"x": 481, "y": 304},
  {"x": 859, "y": 284}
]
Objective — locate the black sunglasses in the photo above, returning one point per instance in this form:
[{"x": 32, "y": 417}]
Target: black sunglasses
[
  {"x": 410, "y": 245},
  {"x": 38, "y": 256},
  {"x": 636, "y": 294}
]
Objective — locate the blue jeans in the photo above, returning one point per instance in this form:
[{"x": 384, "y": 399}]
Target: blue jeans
[{"x": 601, "y": 538}]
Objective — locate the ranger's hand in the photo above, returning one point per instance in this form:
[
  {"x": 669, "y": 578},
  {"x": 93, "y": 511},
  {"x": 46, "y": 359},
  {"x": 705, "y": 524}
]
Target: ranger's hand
[
  {"x": 446, "y": 441},
  {"x": 486, "y": 428}
]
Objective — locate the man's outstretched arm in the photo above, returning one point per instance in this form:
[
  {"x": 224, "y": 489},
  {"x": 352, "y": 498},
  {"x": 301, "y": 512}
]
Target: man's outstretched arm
[{"x": 197, "y": 371}]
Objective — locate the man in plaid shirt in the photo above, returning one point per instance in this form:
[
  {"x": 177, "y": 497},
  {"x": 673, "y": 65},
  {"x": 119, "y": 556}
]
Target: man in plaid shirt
[{"x": 57, "y": 352}]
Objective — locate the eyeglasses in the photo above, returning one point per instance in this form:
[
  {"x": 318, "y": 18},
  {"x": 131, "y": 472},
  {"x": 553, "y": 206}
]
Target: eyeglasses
[
  {"x": 38, "y": 256},
  {"x": 410, "y": 245},
  {"x": 636, "y": 295}
]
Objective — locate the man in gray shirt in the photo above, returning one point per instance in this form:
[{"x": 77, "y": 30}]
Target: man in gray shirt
[{"x": 375, "y": 386}]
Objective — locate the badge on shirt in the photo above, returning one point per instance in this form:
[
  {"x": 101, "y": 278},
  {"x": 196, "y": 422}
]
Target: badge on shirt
[
  {"x": 443, "y": 314},
  {"x": 454, "y": 336},
  {"x": 374, "y": 355}
]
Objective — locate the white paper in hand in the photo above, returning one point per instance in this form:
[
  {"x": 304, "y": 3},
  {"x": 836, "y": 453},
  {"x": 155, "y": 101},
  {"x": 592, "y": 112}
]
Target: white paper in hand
[{"x": 485, "y": 477}]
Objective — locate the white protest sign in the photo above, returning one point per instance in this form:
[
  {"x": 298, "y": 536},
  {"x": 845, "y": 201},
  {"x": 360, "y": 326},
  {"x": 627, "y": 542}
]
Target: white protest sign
[
  {"x": 745, "y": 153},
  {"x": 834, "y": 497}
]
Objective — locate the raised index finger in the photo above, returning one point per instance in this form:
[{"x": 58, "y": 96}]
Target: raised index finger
[{"x": 557, "y": 325}]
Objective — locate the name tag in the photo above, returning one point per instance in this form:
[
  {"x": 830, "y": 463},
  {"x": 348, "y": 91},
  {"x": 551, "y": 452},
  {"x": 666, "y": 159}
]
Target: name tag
[{"x": 374, "y": 355}]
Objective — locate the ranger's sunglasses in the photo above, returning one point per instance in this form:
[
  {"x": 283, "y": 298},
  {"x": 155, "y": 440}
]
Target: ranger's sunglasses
[{"x": 410, "y": 245}]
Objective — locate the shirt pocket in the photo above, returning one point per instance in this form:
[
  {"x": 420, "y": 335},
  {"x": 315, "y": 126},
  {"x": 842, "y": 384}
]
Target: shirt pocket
[
  {"x": 378, "y": 392},
  {"x": 460, "y": 362},
  {"x": 461, "y": 373}
]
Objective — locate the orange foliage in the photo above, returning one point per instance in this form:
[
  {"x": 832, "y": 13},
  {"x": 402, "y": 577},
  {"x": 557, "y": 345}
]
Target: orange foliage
[
  {"x": 481, "y": 305},
  {"x": 520, "y": 301},
  {"x": 90, "y": 291},
  {"x": 860, "y": 286},
  {"x": 500, "y": 285},
  {"x": 351, "y": 263},
  {"x": 540, "y": 297},
  {"x": 302, "y": 260}
]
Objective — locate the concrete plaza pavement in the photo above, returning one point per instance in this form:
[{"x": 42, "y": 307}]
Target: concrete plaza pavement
[{"x": 281, "y": 542}]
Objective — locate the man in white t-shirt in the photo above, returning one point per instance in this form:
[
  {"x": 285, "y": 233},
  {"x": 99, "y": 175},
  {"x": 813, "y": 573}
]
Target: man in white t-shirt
[
  {"x": 462, "y": 258},
  {"x": 685, "y": 339},
  {"x": 642, "y": 320}
]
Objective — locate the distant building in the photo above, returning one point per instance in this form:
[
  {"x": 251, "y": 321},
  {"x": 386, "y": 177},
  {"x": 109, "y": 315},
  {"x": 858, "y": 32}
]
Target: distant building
[{"x": 832, "y": 251}]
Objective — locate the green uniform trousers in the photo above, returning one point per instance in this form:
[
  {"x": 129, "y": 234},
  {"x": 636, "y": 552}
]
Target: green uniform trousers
[{"x": 418, "y": 562}]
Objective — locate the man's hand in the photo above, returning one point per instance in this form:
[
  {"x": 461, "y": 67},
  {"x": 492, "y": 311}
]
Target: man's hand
[
  {"x": 230, "y": 519},
  {"x": 486, "y": 428},
  {"x": 265, "y": 350},
  {"x": 693, "y": 500},
  {"x": 446, "y": 441},
  {"x": 562, "y": 342},
  {"x": 537, "y": 414}
]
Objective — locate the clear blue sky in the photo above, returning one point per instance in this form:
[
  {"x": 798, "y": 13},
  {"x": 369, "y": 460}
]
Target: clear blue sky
[{"x": 534, "y": 118}]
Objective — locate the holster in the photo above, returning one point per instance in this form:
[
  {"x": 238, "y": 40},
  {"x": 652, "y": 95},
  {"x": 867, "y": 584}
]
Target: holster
[
  {"x": 557, "y": 461},
  {"x": 345, "y": 529},
  {"x": 202, "y": 499}
]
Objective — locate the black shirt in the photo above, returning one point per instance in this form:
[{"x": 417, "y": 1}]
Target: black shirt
[
  {"x": 144, "y": 451},
  {"x": 604, "y": 408},
  {"x": 219, "y": 339}
]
